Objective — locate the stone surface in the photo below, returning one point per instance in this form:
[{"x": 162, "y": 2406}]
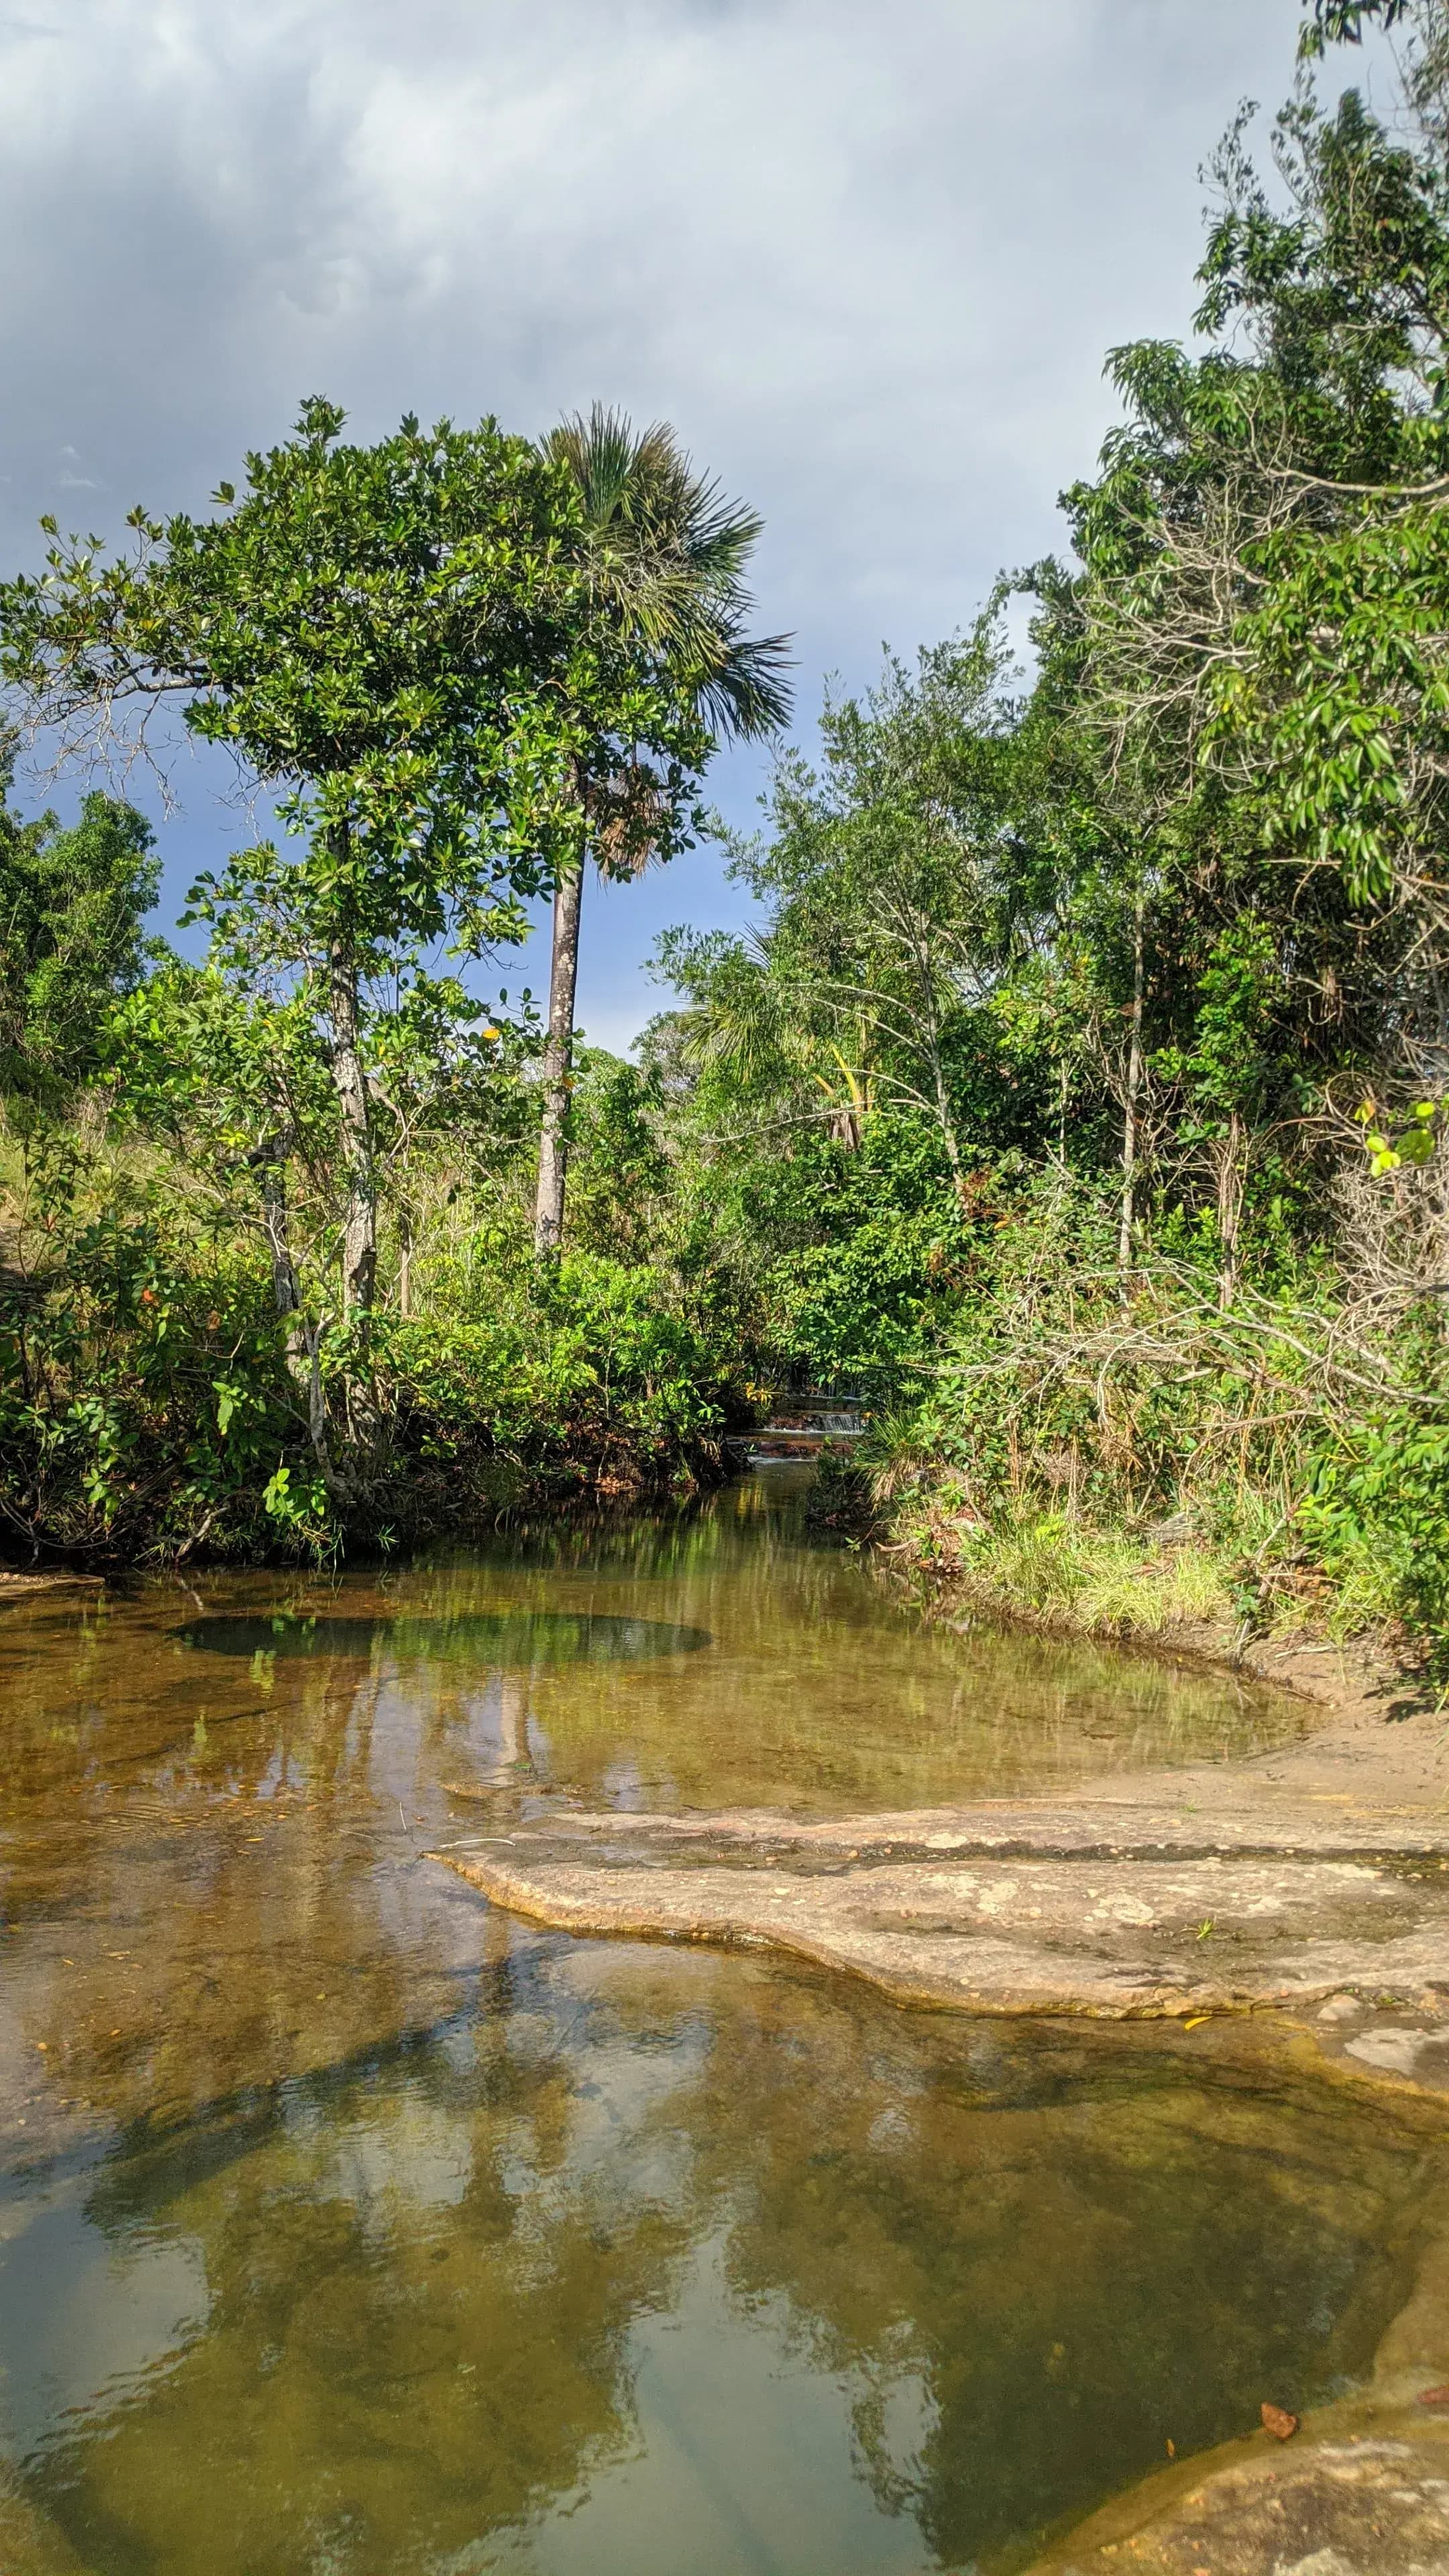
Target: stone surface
[
  {"x": 1371, "y": 2504},
  {"x": 1048, "y": 1909}
]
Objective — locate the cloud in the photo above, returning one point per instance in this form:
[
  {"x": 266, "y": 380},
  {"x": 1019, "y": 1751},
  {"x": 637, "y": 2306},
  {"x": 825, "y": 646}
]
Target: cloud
[{"x": 867, "y": 259}]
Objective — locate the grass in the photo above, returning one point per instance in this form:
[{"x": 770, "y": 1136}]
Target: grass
[{"x": 1069, "y": 1575}]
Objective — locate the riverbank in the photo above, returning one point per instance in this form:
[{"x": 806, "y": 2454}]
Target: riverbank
[
  {"x": 1165, "y": 1589},
  {"x": 17, "y": 1584},
  {"x": 1381, "y": 1715}
]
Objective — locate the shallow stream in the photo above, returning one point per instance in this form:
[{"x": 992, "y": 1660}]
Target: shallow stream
[{"x": 350, "y": 2228}]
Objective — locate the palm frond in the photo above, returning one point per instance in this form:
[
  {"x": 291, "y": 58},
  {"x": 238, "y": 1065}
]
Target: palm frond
[
  {"x": 600, "y": 452},
  {"x": 747, "y": 694},
  {"x": 668, "y": 553}
]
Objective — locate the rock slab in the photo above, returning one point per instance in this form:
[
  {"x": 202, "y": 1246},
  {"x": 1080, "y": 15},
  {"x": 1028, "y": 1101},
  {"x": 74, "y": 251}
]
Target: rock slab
[
  {"x": 1044, "y": 1910},
  {"x": 1371, "y": 2505}
]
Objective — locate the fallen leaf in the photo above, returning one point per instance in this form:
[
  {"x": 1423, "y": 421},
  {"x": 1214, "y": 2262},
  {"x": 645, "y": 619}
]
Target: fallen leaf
[
  {"x": 1171, "y": 2449},
  {"x": 1197, "y": 2021},
  {"x": 1278, "y": 2421},
  {"x": 1435, "y": 2396}
]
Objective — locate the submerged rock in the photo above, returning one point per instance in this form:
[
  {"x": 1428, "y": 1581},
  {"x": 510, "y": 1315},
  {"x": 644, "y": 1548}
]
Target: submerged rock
[{"x": 1364, "y": 2505}]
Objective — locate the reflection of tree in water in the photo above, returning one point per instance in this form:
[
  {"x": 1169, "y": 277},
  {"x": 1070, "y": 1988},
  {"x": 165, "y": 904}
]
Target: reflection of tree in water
[
  {"x": 817, "y": 1687},
  {"x": 644, "y": 1544},
  {"x": 430, "y": 2219},
  {"x": 426, "y": 2258},
  {"x": 478, "y": 1728},
  {"x": 511, "y": 1640},
  {"x": 423, "y": 2275},
  {"x": 1056, "y": 2258},
  {"x": 220, "y": 1923}
]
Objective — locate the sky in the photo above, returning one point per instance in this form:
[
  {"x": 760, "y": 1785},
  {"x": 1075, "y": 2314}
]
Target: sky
[{"x": 867, "y": 258}]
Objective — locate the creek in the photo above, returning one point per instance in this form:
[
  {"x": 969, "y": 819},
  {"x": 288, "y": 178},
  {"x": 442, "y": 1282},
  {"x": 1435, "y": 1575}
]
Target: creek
[{"x": 349, "y": 2227}]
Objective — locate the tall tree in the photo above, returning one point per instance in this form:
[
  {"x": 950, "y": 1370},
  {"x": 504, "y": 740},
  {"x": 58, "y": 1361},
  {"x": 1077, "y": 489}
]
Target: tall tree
[
  {"x": 897, "y": 889},
  {"x": 382, "y": 635},
  {"x": 666, "y": 562},
  {"x": 1255, "y": 640}
]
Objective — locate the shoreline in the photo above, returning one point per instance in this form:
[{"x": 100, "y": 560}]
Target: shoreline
[
  {"x": 1337, "y": 1674},
  {"x": 1312, "y": 1874}
]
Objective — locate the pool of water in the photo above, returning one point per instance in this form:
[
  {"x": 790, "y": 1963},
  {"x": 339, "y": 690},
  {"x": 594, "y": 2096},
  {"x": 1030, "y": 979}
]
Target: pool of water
[{"x": 349, "y": 2227}]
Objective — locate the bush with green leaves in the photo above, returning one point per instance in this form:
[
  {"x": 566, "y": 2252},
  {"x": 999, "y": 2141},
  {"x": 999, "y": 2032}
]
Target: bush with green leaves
[{"x": 150, "y": 1407}]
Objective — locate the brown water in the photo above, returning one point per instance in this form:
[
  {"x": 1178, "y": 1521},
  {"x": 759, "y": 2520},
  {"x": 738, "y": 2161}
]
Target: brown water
[{"x": 347, "y": 2226}]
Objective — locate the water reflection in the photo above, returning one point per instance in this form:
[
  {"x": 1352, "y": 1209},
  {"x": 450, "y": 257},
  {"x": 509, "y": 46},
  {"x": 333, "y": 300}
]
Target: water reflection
[
  {"x": 513, "y": 1640},
  {"x": 637, "y": 2262},
  {"x": 347, "y": 2225},
  {"x": 709, "y": 1659}
]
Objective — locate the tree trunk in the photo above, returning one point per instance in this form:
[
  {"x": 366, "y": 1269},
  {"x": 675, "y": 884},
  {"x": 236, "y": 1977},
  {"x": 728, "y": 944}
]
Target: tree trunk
[
  {"x": 947, "y": 1125},
  {"x": 1129, "y": 1106},
  {"x": 1231, "y": 1181},
  {"x": 915, "y": 932},
  {"x": 304, "y": 1340},
  {"x": 558, "y": 1059},
  {"x": 279, "y": 1243},
  {"x": 359, "y": 1226},
  {"x": 404, "y": 1264}
]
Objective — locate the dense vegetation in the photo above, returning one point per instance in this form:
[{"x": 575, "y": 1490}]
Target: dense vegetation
[{"x": 1079, "y": 1097}]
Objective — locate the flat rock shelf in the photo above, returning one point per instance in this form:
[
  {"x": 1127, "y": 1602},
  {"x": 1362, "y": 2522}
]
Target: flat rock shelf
[{"x": 1118, "y": 1913}]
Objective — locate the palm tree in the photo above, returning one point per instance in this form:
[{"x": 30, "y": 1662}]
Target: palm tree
[{"x": 667, "y": 557}]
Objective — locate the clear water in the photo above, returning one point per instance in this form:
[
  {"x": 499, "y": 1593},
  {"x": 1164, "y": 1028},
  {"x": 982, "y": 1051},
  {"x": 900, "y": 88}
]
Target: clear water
[{"x": 348, "y": 2225}]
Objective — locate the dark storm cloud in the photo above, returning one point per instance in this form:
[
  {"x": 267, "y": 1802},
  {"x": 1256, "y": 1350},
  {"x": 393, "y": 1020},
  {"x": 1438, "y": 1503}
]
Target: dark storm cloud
[{"x": 868, "y": 258}]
